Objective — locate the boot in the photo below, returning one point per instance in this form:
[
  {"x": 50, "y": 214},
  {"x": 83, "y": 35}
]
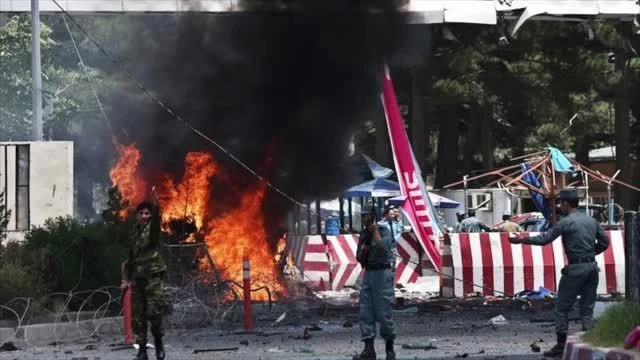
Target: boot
[
  {"x": 142, "y": 352},
  {"x": 159, "y": 348},
  {"x": 558, "y": 349},
  {"x": 369, "y": 352},
  {"x": 391, "y": 354}
]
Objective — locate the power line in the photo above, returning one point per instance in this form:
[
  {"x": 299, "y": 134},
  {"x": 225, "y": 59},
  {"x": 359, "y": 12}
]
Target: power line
[
  {"x": 87, "y": 75},
  {"x": 171, "y": 112},
  {"x": 195, "y": 130}
]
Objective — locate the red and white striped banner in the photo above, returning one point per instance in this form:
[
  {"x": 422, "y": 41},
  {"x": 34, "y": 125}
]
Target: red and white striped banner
[{"x": 487, "y": 263}]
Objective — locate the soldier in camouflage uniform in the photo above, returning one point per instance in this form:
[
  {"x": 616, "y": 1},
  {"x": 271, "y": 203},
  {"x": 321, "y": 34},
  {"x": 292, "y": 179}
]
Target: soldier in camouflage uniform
[
  {"x": 144, "y": 271},
  {"x": 583, "y": 239}
]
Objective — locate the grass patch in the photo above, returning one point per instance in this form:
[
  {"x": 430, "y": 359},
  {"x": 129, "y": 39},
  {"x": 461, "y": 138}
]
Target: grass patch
[{"x": 614, "y": 325}]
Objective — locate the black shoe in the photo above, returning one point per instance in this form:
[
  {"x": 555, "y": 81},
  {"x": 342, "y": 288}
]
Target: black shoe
[
  {"x": 142, "y": 352},
  {"x": 391, "y": 354},
  {"x": 555, "y": 351},
  {"x": 369, "y": 352},
  {"x": 159, "y": 349}
]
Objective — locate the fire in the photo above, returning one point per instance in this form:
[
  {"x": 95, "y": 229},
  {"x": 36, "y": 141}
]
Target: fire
[
  {"x": 241, "y": 232},
  {"x": 289, "y": 264},
  {"x": 189, "y": 198},
  {"x": 125, "y": 176},
  {"x": 229, "y": 237}
]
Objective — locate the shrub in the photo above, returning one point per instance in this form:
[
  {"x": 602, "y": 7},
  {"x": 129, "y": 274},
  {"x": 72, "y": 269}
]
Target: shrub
[
  {"x": 18, "y": 281},
  {"x": 614, "y": 325},
  {"x": 70, "y": 255}
]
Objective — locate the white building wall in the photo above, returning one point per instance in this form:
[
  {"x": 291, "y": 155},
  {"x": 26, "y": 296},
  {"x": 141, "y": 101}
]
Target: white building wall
[{"x": 46, "y": 187}]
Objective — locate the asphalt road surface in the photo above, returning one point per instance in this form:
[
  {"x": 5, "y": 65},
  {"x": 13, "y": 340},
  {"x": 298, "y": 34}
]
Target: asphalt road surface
[{"x": 453, "y": 334}]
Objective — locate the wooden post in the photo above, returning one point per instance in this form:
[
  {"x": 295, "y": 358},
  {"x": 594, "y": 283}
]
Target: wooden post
[
  {"x": 351, "y": 214},
  {"x": 246, "y": 287},
  {"x": 632, "y": 255},
  {"x": 318, "y": 218}
]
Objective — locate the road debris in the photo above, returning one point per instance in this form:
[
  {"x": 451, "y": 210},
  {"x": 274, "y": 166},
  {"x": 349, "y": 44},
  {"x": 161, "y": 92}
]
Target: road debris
[
  {"x": 198, "y": 351},
  {"x": 417, "y": 346}
]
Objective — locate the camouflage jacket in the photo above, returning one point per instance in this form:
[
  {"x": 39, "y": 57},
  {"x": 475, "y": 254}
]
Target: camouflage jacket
[{"x": 145, "y": 259}]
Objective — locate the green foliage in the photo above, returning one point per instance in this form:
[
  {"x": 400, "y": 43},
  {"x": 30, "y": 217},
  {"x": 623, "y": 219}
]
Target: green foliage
[
  {"x": 614, "y": 325},
  {"x": 15, "y": 81},
  {"x": 17, "y": 280},
  {"x": 70, "y": 255}
]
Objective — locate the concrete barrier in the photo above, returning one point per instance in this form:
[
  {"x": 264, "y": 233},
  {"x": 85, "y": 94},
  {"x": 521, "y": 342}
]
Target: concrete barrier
[
  {"x": 575, "y": 349},
  {"x": 42, "y": 334}
]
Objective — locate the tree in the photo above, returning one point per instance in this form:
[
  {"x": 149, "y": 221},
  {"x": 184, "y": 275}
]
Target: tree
[{"x": 15, "y": 82}]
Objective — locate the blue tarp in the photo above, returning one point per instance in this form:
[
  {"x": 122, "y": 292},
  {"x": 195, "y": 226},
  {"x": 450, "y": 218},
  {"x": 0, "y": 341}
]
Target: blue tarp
[
  {"x": 560, "y": 161},
  {"x": 538, "y": 199}
]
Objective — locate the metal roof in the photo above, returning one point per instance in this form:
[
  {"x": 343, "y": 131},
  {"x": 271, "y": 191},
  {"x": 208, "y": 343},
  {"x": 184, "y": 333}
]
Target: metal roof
[{"x": 422, "y": 11}]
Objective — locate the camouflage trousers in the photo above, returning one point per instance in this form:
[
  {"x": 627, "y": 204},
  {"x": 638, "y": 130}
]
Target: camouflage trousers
[{"x": 147, "y": 305}]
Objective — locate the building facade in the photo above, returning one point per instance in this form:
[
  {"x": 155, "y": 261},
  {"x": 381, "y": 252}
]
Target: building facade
[{"x": 37, "y": 181}]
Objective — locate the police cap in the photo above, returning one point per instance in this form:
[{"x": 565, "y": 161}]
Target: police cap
[{"x": 568, "y": 194}]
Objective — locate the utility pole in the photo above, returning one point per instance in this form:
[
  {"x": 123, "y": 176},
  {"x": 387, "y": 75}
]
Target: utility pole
[{"x": 36, "y": 71}]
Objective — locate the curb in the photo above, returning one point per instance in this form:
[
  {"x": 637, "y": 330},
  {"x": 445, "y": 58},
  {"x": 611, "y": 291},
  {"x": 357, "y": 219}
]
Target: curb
[
  {"x": 63, "y": 331},
  {"x": 577, "y": 350}
]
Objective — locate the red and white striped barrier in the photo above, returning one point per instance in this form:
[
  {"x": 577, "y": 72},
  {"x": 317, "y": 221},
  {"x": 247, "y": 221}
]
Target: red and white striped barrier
[
  {"x": 487, "y": 263},
  {"x": 333, "y": 265},
  {"x": 408, "y": 267},
  {"x": 575, "y": 349},
  {"x": 315, "y": 266},
  {"x": 345, "y": 269}
]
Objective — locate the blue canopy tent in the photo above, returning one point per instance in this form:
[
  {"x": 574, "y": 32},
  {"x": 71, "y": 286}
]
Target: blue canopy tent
[{"x": 374, "y": 188}]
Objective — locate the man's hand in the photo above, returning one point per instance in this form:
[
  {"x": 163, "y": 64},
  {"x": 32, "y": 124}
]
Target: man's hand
[
  {"x": 124, "y": 285},
  {"x": 514, "y": 238},
  {"x": 371, "y": 226},
  {"x": 154, "y": 195}
]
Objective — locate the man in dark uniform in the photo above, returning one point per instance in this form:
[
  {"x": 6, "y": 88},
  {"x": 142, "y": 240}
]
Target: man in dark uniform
[
  {"x": 583, "y": 239},
  {"x": 377, "y": 292},
  {"x": 143, "y": 274}
]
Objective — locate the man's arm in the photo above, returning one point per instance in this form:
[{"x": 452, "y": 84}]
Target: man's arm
[
  {"x": 154, "y": 230},
  {"x": 546, "y": 237},
  {"x": 484, "y": 227},
  {"x": 602, "y": 241}
]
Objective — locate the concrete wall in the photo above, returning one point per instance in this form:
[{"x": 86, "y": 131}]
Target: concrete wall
[{"x": 46, "y": 186}]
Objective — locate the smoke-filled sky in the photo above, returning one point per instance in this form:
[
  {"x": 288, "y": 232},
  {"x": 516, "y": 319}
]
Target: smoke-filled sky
[{"x": 301, "y": 81}]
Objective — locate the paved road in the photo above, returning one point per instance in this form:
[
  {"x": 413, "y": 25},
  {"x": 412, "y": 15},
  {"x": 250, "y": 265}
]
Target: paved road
[{"x": 462, "y": 334}]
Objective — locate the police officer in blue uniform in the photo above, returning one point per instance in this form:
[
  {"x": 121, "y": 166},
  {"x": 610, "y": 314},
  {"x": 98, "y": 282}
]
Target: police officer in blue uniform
[
  {"x": 583, "y": 239},
  {"x": 377, "y": 292}
]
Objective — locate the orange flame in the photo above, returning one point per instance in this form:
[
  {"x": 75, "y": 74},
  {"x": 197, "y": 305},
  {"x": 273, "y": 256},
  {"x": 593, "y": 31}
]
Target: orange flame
[
  {"x": 241, "y": 232},
  {"x": 124, "y": 174},
  {"x": 189, "y": 198},
  {"x": 238, "y": 233}
]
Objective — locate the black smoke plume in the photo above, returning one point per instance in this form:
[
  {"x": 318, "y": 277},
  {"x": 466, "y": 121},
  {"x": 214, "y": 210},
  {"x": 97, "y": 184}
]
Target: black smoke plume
[{"x": 300, "y": 81}]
